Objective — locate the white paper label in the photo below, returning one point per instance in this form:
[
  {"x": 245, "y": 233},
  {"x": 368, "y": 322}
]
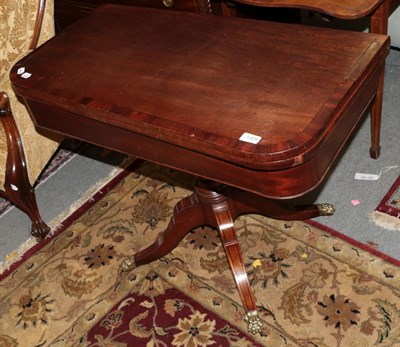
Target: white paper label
[
  {"x": 26, "y": 75},
  {"x": 251, "y": 138},
  {"x": 366, "y": 177}
]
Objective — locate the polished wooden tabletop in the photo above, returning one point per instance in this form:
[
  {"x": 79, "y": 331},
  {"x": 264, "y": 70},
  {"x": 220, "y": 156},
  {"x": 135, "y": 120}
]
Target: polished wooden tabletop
[{"x": 197, "y": 84}]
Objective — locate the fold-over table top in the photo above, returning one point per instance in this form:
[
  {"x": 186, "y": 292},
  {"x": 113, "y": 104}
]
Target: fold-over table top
[{"x": 257, "y": 94}]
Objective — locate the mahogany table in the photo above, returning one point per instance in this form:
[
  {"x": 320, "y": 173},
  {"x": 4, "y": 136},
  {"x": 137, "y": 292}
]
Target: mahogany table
[{"x": 258, "y": 111}]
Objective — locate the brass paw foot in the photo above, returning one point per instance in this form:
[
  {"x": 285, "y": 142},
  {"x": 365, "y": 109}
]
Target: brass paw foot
[
  {"x": 326, "y": 209},
  {"x": 127, "y": 265},
  {"x": 254, "y": 323}
]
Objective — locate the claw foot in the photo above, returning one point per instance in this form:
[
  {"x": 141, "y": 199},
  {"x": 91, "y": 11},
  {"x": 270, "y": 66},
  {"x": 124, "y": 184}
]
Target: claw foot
[
  {"x": 39, "y": 230},
  {"x": 254, "y": 323}
]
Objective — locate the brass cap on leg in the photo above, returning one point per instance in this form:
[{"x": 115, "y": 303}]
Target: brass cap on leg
[
  {"x": 326, "y": 209},
  {"x": 127, "y": 265},
  {"x": 254, "y": 323}
]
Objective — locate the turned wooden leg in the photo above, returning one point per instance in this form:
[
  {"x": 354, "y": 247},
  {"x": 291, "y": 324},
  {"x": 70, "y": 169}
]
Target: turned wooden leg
[
  {"x": 376, "y": 119},
  {"x": 379, "y": 25},
  {"x": 17, "y": 187}
]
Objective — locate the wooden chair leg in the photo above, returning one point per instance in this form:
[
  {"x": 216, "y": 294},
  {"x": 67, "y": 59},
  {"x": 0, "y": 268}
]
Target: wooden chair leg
[{"x": 17, "y": 187}]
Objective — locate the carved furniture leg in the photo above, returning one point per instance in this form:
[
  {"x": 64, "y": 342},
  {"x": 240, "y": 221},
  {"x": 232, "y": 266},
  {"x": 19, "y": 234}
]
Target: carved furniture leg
[
  {"x": 245, "y": 203},
  {"x": 221, "y": 206},
  {"x": 379, "y": 25},
  {"x": 220, "y": 214},
  {"x": 17, "y": 187},
  {"x": 218, "y": 206},
  {"x": 187, "y": 215}
]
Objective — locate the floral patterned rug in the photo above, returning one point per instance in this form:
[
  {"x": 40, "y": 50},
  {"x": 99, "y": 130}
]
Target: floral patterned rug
[
  {"x": 313, "y": 287},
  {"x": 387, "y": 214}
]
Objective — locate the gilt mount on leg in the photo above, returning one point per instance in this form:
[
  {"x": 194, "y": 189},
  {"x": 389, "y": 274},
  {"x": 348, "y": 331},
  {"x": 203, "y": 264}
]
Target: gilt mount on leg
[{"x": 17, "y": 187}]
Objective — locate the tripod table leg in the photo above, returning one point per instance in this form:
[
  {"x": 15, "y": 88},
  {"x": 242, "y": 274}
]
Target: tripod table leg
[
  {"x": 232, "y": 249},
  {"x": 187, "y": 215},
  {"x": 221, "y": 213}
]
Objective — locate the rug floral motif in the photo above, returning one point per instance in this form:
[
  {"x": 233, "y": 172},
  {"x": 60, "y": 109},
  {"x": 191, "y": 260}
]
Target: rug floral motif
[
  {"x": 387, "y": 214},
  {"x": 157, "y": 314},
  {"x": 311, "y": 288}
]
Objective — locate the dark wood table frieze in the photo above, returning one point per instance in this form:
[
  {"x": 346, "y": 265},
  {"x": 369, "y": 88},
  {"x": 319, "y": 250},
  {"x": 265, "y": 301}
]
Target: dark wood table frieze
[{"x": 258, "y": 111}]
